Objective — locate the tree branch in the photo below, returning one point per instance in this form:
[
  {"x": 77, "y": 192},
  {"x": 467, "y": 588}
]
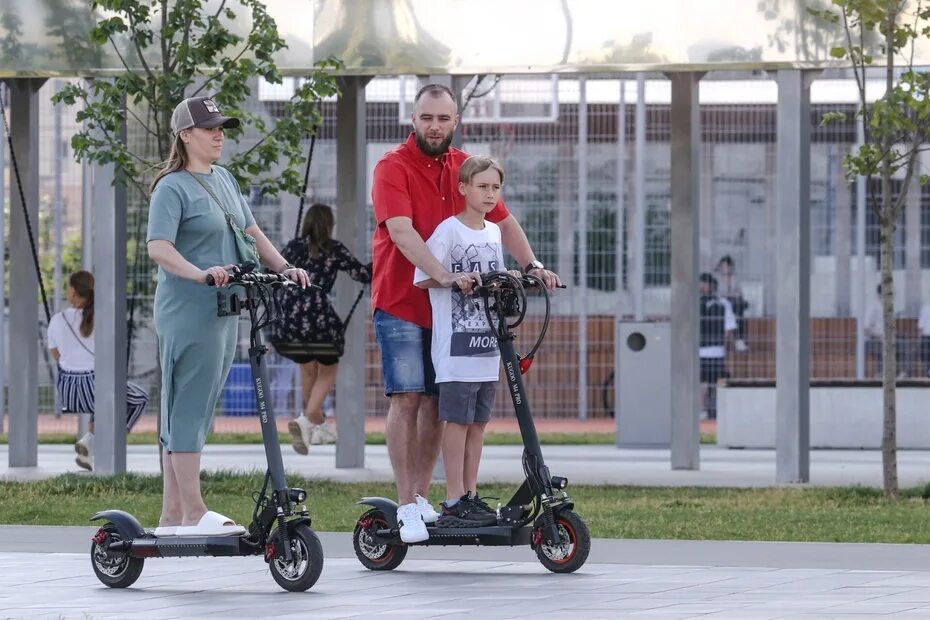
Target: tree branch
[{"x": 221, "y": 72}]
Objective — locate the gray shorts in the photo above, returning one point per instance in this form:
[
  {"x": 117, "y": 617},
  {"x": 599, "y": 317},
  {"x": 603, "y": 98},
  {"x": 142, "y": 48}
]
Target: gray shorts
[{"x": 466, "y": 403}]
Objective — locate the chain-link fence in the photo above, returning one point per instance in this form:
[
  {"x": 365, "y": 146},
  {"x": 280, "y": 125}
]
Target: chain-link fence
[{"x": 578, "y": 169}]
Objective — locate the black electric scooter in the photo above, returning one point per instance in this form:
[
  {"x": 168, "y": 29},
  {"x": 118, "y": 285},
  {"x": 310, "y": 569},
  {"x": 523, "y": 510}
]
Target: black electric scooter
[
  {"x": 540, "y": 512},
  {"x": 280, "y": 528}
]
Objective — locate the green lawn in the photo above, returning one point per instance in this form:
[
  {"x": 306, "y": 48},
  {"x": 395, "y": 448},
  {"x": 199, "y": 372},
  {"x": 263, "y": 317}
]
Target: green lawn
[{"x": 779, "y": 514}]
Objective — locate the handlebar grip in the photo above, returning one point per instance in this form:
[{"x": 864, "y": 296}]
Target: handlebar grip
[{"x": 210, "y": 281}]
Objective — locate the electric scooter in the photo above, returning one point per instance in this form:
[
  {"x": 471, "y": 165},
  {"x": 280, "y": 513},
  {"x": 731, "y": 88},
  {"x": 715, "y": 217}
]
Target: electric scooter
[
  {"x": 280, "y": 528},
  {"x": 540, "y": 514}
]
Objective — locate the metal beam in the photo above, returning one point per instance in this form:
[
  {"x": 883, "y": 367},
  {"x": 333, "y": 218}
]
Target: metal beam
[
  {"x": 24, "y": 309},
  {"x": 793, "y": 270},
  {"x": 110, "y": 329},
  {"x": 352, "y": 220},
  {"x": 685, "y": 221}
]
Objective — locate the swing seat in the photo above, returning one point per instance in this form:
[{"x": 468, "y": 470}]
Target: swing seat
[{"x": 303, "y": 352}]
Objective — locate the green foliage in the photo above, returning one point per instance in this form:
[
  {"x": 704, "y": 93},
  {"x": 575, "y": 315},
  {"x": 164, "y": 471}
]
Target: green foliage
[
  {"x": 183, "y": 48},
  {"x": 895, "y": 125}
]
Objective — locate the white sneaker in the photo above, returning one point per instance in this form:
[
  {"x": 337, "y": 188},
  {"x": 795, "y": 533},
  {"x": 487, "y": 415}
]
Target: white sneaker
[
  {"x": 412, "y": 528},
  {"x": 427, "y": 511},
  {"x": 299, "y": 428},
  {"x": 85, "y": 445},
  {"x": 322, "y": 434}
]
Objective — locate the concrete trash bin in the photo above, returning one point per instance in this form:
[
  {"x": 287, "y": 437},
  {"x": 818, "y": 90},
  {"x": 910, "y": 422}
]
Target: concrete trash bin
[{"x": 643, "y": 384}]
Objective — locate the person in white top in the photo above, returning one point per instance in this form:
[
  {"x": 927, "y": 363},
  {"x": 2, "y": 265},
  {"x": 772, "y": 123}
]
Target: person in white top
[
  {"x": 71, "y": 344},
  {"x": 716, "y": 325},
  {"x": 464, "y": 350}
]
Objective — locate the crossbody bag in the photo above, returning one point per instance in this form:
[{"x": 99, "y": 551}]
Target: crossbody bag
[{"x": 246, "y": 246}]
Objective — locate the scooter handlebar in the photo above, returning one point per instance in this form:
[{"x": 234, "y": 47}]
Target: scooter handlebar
[{"x": 255, "y": 278}]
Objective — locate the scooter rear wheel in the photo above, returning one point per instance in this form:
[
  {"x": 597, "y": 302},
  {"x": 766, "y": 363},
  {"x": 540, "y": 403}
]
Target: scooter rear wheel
[
  {"x": 114, "y": 571},
  {"x": 372, "y": 554},
  {"x": 306, "y": 565},
  {"x": 571, "y": 552}
]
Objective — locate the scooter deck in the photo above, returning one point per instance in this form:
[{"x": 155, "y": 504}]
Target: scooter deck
[
  {"x": 492, "y": 535},
  {"x": 191, "y": 546}
]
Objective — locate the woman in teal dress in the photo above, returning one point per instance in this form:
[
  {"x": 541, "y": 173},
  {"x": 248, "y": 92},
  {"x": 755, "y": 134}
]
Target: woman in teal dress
[{"x": 189, "y": 238}]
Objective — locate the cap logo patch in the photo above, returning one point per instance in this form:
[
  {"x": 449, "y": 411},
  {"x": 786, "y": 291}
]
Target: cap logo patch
[{"x": 210, "y": 106}]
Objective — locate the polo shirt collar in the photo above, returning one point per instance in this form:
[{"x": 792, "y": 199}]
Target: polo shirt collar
[{"x": 419, "y": 155}]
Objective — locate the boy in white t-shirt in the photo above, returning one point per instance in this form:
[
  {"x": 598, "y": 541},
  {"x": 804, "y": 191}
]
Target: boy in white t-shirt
[{"x": 464, "y": 348}]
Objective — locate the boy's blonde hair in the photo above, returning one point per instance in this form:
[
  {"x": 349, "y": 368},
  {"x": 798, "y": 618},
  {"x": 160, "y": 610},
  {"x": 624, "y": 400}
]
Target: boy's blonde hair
[{"x": 476, "y": 164}]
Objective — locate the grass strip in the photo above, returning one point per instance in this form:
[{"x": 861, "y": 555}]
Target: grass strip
[{"x": 849, "y": 514}]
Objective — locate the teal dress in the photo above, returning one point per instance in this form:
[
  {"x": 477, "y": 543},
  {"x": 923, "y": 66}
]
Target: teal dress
[{"x": 195, "y": 345}]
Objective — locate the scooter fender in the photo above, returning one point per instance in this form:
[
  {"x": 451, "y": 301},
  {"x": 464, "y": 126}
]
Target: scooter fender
[
  {"x": 295, "y": 522},
  {"x": 127, "y": 525},
  {"x": 387, "y": 506}
]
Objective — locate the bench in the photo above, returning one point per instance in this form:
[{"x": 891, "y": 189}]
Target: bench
[{"x": 844, "y": 413}]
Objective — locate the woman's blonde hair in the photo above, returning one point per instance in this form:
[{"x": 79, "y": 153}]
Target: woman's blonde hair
[
  {"x": 83, "y": 284},
  {"x": 318, "y": 228},
  {"x": 177, "y": 160},
  {"x": 476, "y": 164}
]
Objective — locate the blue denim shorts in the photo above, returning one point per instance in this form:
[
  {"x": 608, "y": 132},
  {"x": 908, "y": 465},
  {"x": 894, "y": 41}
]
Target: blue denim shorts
[{"x": 405, "y": 356}]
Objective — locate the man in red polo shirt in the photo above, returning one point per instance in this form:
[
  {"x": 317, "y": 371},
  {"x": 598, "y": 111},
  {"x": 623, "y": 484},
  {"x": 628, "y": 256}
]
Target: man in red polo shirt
[{"x": 415, "y": 187}]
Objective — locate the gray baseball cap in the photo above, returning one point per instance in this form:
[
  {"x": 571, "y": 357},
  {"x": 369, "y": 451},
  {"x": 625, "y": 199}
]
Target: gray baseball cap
[{"x": 200, "y": 112}]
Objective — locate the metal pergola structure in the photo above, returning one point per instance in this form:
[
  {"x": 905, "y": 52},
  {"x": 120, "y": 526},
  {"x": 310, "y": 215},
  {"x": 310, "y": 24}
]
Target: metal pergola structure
[{"x": 681, "y": 39}]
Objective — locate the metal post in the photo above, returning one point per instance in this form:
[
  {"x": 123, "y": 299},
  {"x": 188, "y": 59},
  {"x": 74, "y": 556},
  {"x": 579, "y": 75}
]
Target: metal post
[
  {"x": 3, "y": 306},
  {"x": 583, "y": 248},
  {"x": 24, "y": 309},
  {"x": 912, "y": 289},
  {"x": 638, "y": 282},
  {"x": 842, "y": 231},
  {"x": 351, "y": 196},
  {"x": 622, "y": 221},
  {"x": 861, "y": 280},
  {"x": 57, "y": 223},
  {"x": 793, "y": 270},
  {"x": 685, "y": 227},
  {"x": 110, "y": 329}
]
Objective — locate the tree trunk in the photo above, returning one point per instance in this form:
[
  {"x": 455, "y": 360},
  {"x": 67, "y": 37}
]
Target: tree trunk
[
  {"x": 889, "y": 355},
  {"x": 887, "y": 222}
]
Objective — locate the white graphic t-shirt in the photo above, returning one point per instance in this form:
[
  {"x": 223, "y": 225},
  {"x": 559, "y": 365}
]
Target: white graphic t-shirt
[{"x": 464, "y": 347}]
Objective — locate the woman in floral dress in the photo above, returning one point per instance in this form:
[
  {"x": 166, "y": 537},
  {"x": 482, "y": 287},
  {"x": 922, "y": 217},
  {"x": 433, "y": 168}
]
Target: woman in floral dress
[{"x": 308, "y": 317}]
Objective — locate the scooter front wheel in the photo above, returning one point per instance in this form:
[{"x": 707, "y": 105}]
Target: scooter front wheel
[
  {"x": 373, "y": 554},
  {"x": 113, "y": 571},
  {"x": 571, "y": 552},
  {"x": 306, "y": 562}
]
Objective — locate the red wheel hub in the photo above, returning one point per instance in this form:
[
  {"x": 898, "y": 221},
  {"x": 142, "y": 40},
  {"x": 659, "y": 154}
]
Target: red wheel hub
[{"x": 100, "y": 537}]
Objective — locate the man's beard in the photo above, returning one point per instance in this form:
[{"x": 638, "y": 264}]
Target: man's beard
[{"x": 433, "y": 151}]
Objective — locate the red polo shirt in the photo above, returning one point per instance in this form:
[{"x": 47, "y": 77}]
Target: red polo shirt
[{"x": 409, "y": 183}]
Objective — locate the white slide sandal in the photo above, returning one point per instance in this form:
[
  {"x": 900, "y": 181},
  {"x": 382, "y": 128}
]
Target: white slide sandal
[{"x": 211, "y": 524}]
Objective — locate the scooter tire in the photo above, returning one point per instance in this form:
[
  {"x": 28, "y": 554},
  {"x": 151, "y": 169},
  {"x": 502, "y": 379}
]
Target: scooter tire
[
  {"x": 572, "y": 552},
  {"x": 114, "y": 572},
  {"x": 304, "y": 569},
  {"x": 373, "y": 556}
]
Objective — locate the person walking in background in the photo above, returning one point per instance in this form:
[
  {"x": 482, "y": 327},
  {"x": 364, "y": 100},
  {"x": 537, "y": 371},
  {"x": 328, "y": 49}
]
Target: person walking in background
[
  {"x": 71, "y": 344},
  {"x": 730, "y": 290},
  {"x": 308, "y": 317},
  {"x": 716, "y": 326}
]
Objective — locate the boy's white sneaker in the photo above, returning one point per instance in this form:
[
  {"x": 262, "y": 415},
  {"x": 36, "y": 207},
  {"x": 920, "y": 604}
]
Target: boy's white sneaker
[
  {"x": 427, "y": 511},
  {"x": 412, "y": 527},
  {"x": 299, "y": 429}
]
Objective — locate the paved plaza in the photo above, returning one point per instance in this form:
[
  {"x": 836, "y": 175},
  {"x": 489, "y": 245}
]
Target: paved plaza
[
  {"x": 663, "y": 580},
  {"x": 45, "y": 571}
]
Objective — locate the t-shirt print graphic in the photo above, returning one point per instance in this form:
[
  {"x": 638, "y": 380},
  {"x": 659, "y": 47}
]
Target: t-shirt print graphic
[{"x": 471, "y": 334}]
